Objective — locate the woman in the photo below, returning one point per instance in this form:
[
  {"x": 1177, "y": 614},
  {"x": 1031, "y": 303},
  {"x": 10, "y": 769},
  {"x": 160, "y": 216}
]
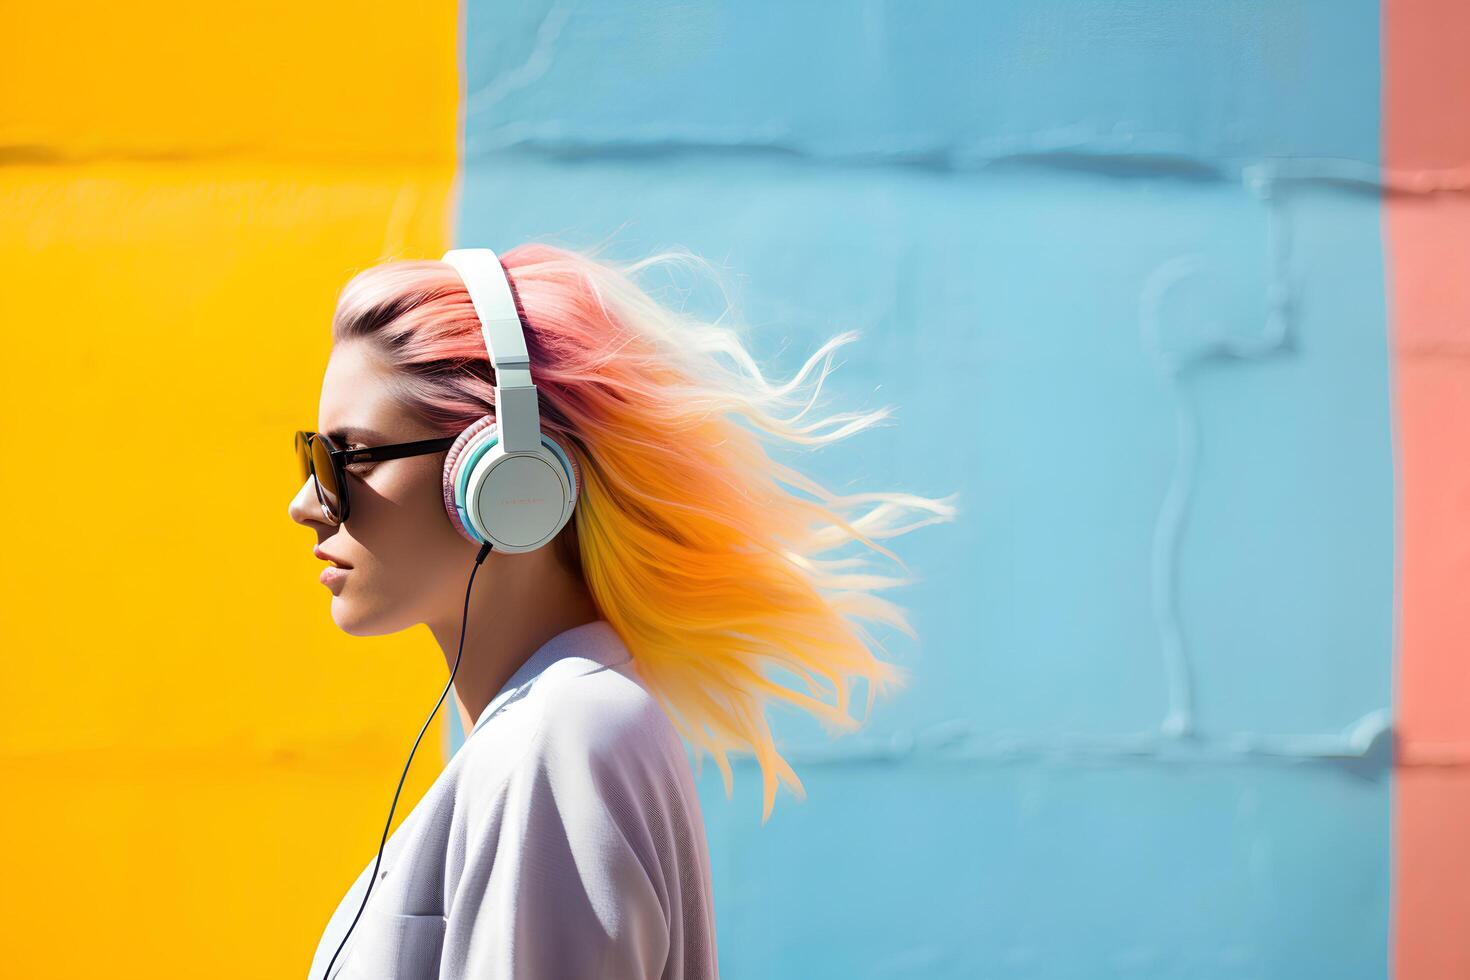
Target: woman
[{"x": 564, "y": 838}]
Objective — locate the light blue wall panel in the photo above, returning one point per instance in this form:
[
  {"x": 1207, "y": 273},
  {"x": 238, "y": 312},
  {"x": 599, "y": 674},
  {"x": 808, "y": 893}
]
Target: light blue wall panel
[
  {"x": 1146, "y": 736},
  {"x": 941, "y": 83},
  {"x": 927, "y": 869}
]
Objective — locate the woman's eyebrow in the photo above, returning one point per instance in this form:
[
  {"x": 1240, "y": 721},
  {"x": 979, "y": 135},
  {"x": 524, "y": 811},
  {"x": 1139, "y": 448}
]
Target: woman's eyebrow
[{"x": 354, "y": 434}]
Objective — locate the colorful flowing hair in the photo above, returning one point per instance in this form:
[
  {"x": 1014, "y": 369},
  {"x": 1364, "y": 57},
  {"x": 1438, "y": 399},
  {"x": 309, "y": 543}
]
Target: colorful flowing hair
[{"x": 705, "y": 565}]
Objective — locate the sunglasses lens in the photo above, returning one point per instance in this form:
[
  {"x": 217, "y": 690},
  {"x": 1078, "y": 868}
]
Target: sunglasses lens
[
  {"x": 303, "y": 458},
  {"x": 326, "y": 477}
]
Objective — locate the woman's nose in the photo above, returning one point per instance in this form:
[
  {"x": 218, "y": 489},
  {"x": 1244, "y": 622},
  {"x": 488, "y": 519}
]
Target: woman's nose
[{"x": 305, "y": 508}]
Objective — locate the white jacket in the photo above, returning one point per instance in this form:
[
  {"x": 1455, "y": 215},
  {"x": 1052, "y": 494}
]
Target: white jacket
[{"x": 563, "y": 840}]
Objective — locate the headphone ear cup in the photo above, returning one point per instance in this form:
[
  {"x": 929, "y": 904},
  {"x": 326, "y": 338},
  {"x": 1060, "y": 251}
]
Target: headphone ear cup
[
  {"x": 569, "y": 463},
  {"x": 466, "y": 449},
  {"x": 459, "y": 450}
]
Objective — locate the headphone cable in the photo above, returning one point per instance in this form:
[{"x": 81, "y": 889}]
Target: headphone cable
[{"x": 464, "y": 622}]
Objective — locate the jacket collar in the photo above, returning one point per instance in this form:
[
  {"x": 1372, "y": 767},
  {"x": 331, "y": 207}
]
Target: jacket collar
[{"x": 595, "y": 640}]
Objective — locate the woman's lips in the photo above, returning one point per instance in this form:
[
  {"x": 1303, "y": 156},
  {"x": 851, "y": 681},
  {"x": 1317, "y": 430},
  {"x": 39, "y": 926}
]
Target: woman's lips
[
  {"x": 319, "y": 553},
  {"x": 331, "y": 575}
]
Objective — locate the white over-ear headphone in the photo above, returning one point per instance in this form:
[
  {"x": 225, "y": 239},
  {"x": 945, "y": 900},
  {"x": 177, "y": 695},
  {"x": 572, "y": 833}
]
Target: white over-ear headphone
[{"x": 505, "y": 482}]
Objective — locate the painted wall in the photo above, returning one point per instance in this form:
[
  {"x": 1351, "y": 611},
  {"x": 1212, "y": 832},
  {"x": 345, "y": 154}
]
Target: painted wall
[
  {"x": 1426, "y": 146},
  {"x": 1122, "y": 267},
  {"x": 1190, "y": 698},
  {"x": 193, "y": 757}
]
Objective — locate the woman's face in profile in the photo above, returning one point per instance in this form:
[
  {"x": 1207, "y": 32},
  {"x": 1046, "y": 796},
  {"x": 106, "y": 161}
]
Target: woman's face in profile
[{"x": 399, "y": 553}]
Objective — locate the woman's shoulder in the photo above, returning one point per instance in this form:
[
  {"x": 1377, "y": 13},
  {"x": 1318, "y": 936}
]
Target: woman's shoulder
[
  {"x": 579, "y": 717},
  {"x": 599, "y": 716}
]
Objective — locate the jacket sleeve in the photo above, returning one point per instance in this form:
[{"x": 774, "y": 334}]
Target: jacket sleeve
[{"x": 560, "y": 877}]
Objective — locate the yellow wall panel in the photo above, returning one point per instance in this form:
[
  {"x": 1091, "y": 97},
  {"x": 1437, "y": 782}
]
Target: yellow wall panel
[
  {"x": 161, "y": 81},
  {"x": 196, "y": 761}
]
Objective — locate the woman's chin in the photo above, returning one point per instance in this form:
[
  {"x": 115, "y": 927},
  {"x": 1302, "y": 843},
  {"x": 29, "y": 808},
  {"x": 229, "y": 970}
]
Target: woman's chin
[
  {"x": 356, "y": 621},
  {"x": 348, "y": 618}
]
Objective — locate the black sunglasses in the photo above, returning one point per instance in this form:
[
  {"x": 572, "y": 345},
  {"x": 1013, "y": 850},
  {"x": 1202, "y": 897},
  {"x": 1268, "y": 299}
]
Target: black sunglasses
[{"x": 326, "y": 466}]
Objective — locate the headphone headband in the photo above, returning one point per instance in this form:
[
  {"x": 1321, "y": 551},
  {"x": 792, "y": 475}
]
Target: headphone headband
[{"x": 517, "y": 410}]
